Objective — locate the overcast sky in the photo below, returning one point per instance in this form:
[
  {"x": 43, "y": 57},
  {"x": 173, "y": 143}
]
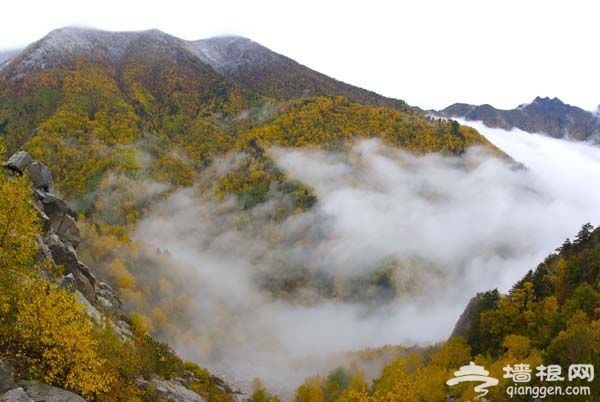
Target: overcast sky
[{"x": 430, "y": 53}]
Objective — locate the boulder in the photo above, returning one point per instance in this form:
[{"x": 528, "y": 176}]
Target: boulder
[
  {"x": 53, "y": 204},
  {"x": 66, "y": 228},
  {"x": 172, "y": 390},
  {"x": 19, "y": 161},
  {"x": 60, "y": 216},
  {"x": 6, "y": 378},
  {"x": 124, "y": 331},
  {"x": 16, "y": 395},
  {"x": 40, "y": 176},
  {"x": 47, "y": 393}
]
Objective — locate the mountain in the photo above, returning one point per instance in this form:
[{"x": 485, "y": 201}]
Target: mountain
[
  {"x": 544, "y": 115},
  {"x": 127, "y": 121},
  {"x": 77, "y": 90},
  {"x": 6, "y": 56},
  {"x": 261, "y": 70}
]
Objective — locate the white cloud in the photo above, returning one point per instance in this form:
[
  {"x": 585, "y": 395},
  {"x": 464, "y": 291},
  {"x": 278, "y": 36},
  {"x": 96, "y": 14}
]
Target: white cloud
[{"x": 455, "y": 225}]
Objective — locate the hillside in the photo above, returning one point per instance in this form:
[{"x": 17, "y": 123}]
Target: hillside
[
  {"x": 550, "y": 317},
  {"x": 111, "y": 93},
  {"x": 544, "y": 115},
  {"x": 261, "y": 70},
  {"x": 60, "y": 325}
]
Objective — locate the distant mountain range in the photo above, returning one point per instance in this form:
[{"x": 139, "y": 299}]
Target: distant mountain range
[{"x": 544, "y": 115}]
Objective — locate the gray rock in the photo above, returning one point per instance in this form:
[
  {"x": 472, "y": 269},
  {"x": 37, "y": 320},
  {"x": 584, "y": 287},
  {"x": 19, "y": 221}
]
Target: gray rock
[
  {"x": 40, "y": 176},
  {"x": 6, "y": 378},
  {"x": 44, "y": 254},
  {"x": 66, "y": 256},
  {"x": 124, "y": 331},
  {"x": 16, "y": 395},
  {"x": 89, "y": 309},
  {"x": 44, "y": 219},
  {"x": 66, "y": 228},
  {"x": 175, "y": 392},
  {"x": 68, "y": 283},
  {"x": 53, "y": 204},
  {"x": 60, "y": 216},
  {"x": 19, "y": 161},
  {"x": 109, "y": 299},
  {"x": 44, "y": 392}
]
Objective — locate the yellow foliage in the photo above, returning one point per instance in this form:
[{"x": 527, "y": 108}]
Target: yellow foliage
[
  {"x": 395, "y": 385},
  {"x": 18, "y": 227},
  {"x": 517, "y": 346},
  {"x": 56, "y": 340},
  {"x": 310, "y": 391}
]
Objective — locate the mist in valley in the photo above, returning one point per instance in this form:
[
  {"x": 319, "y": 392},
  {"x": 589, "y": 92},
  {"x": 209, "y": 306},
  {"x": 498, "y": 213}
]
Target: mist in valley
[{"x": 440, "y": 228}]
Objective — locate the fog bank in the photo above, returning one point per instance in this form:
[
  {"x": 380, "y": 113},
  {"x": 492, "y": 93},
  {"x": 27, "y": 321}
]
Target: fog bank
[{"x": 448, "y": 226}]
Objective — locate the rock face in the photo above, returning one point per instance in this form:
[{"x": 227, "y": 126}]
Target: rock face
[
  {"x": 58, "y": 244},
  {"x": 40, "y": 176},
  {"x": 18, "y": 162},
  {"x": 16, "y": 395},
  {"x": 173, "y": 390},
  {"x": 31, "y": 391},
  {"x": 544, "y": 115},
  {"x": 463, "y": 325},
  {"x": 6, "y": 378},
  {"x": 61, "y": 235},
  {"x": 44, "y": 392}
]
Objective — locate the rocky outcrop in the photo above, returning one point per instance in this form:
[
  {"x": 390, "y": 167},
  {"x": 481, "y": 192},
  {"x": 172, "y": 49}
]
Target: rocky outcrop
[
  {"x": 61, "y": 236},
  {"x": 173, "y": 390},
  {"x": 43, "y": 392},
  {"x": 31, "y": 391},
  {"x": 464, "y": 323},
  {"x": 16, "y": 395},
  {"x": 6, "y": 378},
  {"x": 57, "y": 247},
  {"x": 40, "y": 176},
  {"x": 18, "y": 162}
]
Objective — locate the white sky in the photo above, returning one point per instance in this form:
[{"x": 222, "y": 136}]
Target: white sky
[{"x": 430, "y": 53}]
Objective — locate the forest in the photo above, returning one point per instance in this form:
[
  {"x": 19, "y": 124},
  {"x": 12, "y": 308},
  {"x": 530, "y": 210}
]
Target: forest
[{"x": 123, "y": 139}]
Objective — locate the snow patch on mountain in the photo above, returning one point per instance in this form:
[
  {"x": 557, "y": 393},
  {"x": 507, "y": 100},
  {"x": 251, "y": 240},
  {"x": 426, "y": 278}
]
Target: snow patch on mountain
[
  {"x": 228, "y": 53},
  {"x": 68, "y": 41},
  {"x": 6, "y": 56}
]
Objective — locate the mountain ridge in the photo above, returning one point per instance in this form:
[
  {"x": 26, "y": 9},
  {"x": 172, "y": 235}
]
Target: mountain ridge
[
  {"x": 262, "y": 70},
  {"x": 549, "y": 116},
  {"x": 237, "y": 58}
]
